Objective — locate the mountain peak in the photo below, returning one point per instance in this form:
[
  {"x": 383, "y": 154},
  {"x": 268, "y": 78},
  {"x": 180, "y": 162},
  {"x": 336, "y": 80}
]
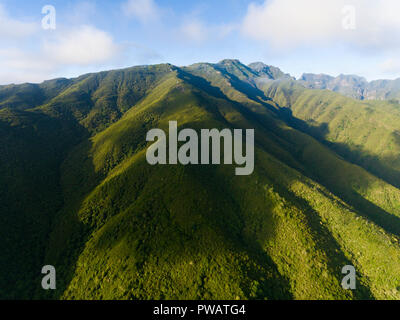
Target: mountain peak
[
  {"x": 315, "y": 77},
  {"x": 230, "y": 62},
  {"x": 258, "y": 66},
  {"x": 271, "y": 72}
]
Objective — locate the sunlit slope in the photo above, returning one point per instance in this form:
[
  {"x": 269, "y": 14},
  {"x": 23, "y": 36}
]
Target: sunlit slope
[
  {"x": 78, "y": 193},
  {"x": 297, "y": 148},
  {"x": 34, "y": 140},
  {"x": 175, "y": 232},
  {"x": 200, "y": 231},
  {"x": 366, "y": 133},
  {"x": 99, "y": 99}
]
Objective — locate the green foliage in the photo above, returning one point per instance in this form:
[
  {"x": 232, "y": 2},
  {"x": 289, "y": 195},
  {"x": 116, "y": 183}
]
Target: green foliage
[{"x": 77, "y": 192}]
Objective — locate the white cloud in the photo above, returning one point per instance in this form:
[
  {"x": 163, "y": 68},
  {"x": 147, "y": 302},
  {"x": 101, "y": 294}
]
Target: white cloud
[
  {"x": 291, "y": 23},
  {"x": 82, "y": 46},
  {"x": 18, "y": 66},
  {"x": 14, "y": 58},
  {"x": 12, "y": 28},
  {"x": 143, "y": 10}
]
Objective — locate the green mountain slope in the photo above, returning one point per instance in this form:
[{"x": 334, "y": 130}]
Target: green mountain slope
[
  {"x": 118, "y": 228},
  {"x": 366, "y": 133},
  {"x": 32, "y": 147}
]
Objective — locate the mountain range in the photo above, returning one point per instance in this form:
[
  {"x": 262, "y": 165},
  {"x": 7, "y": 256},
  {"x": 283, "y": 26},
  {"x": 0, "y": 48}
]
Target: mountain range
[
  {"x": 354, "y": 86},
  {"x": 77, "y": 193}
]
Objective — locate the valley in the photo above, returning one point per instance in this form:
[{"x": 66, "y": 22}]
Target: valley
[{"x": 77, "y": 191}]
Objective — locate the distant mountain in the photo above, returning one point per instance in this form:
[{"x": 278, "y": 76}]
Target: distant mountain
[
  {"x": 270, "y": 72},
  {"x": 354, "y": 86},
  {"x": 77, "y": 192}
]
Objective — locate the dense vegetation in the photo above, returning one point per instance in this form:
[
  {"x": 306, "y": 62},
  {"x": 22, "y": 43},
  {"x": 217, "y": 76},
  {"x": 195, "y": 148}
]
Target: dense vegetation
[{"x": 76, "y": 191}]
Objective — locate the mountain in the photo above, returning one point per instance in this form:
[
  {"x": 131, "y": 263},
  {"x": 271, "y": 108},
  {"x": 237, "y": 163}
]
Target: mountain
[
  {"x": 77, "y": 191},
  {"x": 354, "y": 86},
  {"x": 269, "y": 72}
]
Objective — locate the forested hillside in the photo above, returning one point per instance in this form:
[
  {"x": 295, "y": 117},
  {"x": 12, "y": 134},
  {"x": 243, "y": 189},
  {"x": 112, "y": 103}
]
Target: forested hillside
[{"x": 76, "y": 191}]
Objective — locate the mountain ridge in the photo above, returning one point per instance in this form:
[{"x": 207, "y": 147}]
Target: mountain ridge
[
  {"x": 353, "y": 86},
  {"x": 324, "y": 193}
]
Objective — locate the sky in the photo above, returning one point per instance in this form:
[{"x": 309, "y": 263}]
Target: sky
[{"x": 41, "y": 40}]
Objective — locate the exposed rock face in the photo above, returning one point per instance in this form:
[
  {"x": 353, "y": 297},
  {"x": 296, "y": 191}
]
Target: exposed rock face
[
  {"x": 269, "y": 72},
  {"x": 354, "y": 86}
]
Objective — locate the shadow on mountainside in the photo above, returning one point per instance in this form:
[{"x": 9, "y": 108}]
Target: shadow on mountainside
[
  {"x": 193, "y": 216},
  {"x": 33, "y": 146},
  {"x": 328, "y": 243},
  {"x": 387, "y": 221},
  {"x": 68, "y": 234},
  {"x": 252, "y": 92},
  {"x": 380, "y": 166},
  {"x": 325, "y": 241}
]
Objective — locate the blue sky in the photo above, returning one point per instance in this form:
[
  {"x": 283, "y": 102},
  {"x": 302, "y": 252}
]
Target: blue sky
[{"x": 331, "y": 36}]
